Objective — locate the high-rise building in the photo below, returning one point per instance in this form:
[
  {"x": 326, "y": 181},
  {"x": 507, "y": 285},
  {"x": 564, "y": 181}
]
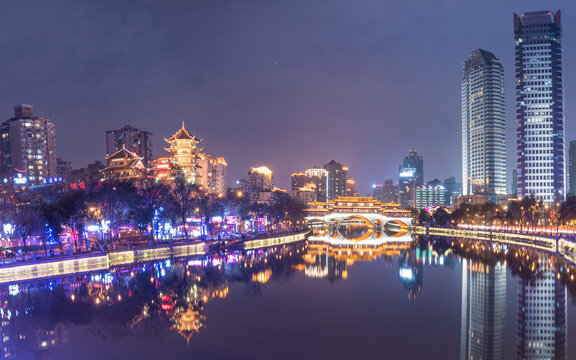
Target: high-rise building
[
  {"x": 133, "y": 139},
  {"x": 350, "y": 190},
  {"x": 318, "y": 177},
  {"x": 28, "y": 146},
  {"x": 428, "y": 195},
  {"x": 260, "y": 180},
  {"x": 410, "y": 175},
  {"x": 337, "y": 179},
  {"x": 212, "y": 174},
  {"x": 514, "y": 187},
  {"x": 453, "y": 188},
  {"x": 389, "y": 192},
  {"x": 542, "y": 318},
  {"x": 483, "y": 125},
  {"x": 572, "y": 168},
  {"x": 539, "y": 105},
  {"x": 63, "y": 168},
  {"x": 483, "y": 318},
  {"x": 298, "y": 180}
]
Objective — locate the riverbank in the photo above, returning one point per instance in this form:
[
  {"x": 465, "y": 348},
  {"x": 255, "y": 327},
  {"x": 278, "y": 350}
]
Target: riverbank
[
  {"x": 561, "y": 245},
  {"x": 22, "y": 271}
]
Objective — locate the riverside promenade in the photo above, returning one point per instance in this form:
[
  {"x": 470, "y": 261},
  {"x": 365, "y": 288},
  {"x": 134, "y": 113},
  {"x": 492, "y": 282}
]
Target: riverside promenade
[
  {"x": 561, "y": 244},
  {"x": 75, "y": 264}
]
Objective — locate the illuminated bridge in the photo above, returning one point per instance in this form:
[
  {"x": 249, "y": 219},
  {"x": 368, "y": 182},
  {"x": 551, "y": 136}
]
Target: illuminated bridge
[{"x": 359, "y": 219}]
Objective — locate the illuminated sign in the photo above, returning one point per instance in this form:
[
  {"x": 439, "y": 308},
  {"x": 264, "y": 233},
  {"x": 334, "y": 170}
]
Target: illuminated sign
[
  {"x": 407, "y": 173},
  {"x": 20, "y": 180},
  {"x": 162, "y": 166}
]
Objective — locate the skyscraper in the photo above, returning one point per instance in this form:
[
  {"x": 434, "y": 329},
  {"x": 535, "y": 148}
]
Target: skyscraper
[
  {"x": 133, "y": 139},
  {"x": 28, "y": 146},
  {"x": 539, "y": 105},
  {"x": 483, "y": 125},
  {"x": 337, "y": 179},
  {"x": 483, "y": 311},
  {"x": 410, "y": 175},
  {"x": 572, "y": 168},
  {"x": 318, "y": 177}
]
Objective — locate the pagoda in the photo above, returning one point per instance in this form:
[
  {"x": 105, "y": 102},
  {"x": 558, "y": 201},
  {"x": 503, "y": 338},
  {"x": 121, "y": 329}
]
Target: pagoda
[
  {"x": 184, "y": 154},
  {"x": 123, "y": 164}
]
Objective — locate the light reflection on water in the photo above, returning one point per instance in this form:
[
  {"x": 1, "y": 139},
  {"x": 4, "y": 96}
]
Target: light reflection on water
[{"x": 171, "y": 300}]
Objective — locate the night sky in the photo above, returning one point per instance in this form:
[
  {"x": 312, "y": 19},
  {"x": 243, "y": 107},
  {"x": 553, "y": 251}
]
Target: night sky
[{"x": 289, "y": 84}]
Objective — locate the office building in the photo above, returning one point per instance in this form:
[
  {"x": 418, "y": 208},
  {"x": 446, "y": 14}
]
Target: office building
[
  {"x": 453, "y": 188},
  {"x": 410, "y": 175},
  {"x": 430, "y": 195},
  {"x": 28, "y": 146},
  {"x": 135, "y": 140},
  {"x": 483, "y": 125},
  {"x": 540, "y": 106}
]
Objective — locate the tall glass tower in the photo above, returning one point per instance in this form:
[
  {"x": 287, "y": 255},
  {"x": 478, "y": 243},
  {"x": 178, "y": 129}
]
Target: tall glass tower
[
  {"x": 483, "y": 125},
  {"x": 540, "y": 105}
]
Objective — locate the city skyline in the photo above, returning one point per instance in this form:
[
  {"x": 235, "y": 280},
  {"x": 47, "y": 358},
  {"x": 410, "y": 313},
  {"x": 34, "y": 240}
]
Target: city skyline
[{"x": 357, "y": 66}]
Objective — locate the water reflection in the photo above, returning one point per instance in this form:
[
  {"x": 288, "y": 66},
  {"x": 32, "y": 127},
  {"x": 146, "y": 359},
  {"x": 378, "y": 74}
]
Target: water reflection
[
  {"x": 542, "y": 318},
  {"x": 483, "y": 322},
  {"x": 169, "y": 298},
  {"x": 146, "y": 301}
]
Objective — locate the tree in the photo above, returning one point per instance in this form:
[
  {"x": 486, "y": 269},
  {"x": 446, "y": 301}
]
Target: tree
[
  {"x": 28, "y": 221},
  {"x": 116, "y": 200},
  {"x": 152, "y": 198},
  {"x": 184, "y": 195}
]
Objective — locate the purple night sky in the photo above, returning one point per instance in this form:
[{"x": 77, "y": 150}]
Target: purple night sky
[{"x": 289, "y": 84}]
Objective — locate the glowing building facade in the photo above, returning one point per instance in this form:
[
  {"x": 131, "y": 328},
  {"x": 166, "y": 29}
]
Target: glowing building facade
[
  {"x": 540, "y": 105},
  {"x": 28, "y": 146},
  {"x": 184, "y": 152},
  {"x": 483, "y": 125}
]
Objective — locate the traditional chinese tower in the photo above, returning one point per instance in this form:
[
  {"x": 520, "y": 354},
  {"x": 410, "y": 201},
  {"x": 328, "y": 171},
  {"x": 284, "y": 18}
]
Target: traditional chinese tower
[{"x": 184, "y": 153}]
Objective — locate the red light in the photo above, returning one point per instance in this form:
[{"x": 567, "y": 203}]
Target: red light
[
  {"x": 166, "y": 307},
  {"x": 166, "y": 298}
]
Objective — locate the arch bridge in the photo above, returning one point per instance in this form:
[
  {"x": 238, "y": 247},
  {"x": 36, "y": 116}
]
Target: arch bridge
[{"x": 380, "y": 218}]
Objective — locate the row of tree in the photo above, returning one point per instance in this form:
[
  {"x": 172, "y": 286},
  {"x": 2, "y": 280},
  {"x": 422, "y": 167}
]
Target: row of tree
[
  {"x": 526, "y": 213},
  {"x": 142, "y": 203}
]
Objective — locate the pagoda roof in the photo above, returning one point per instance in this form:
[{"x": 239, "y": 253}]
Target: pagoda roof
[
  {"x": 124, "y": 153},
  {"x": 183, "y": 134}
]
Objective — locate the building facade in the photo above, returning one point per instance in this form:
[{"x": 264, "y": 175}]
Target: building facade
[
  {"x": 28, "y": 146},
  {"x": 540, "y": 105},
  {"x": 318, "y": 177},
  {"x": 337, "y": 179},
  {"x": 572, "y": 168},
  {"x": 260, "y": 180},
  {"x": 212, "y": 174},
  {"x": 410, "y": 175},
  {"x": 483, "y": 125},
  {"x": 135, "y": 140},
  {"x": 184, "y": 152}
]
